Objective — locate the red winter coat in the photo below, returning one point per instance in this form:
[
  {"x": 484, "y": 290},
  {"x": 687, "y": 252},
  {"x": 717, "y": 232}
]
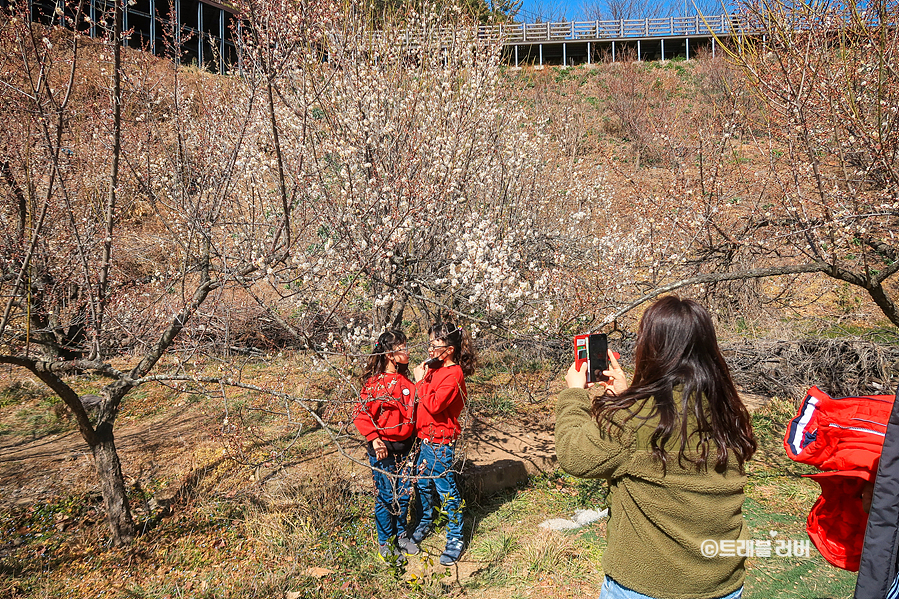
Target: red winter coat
[
  {"x": 844, "y": 437},
  {"x": 441, "y": 398},
  {"x": 387, "y": 408}
]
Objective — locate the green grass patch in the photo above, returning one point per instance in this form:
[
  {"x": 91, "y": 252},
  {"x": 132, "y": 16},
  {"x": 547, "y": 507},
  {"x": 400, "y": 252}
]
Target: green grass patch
[
  {"x": 789, "y": 576},
  {"x": 881, "y": 335},
  {"x": 499, "y": 403},
  {"x": 36, "y": 418},
  {"x": 778, "y": 502},
  {"x": 515, "y": 554},
  {"x": 19, "y": 392}
]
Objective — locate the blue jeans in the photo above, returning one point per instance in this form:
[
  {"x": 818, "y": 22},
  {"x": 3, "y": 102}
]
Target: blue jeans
[
  {"x": 613, "y": 590},
  {"x": 394, "y": 491},
  {"x": 436, "y": 460}
]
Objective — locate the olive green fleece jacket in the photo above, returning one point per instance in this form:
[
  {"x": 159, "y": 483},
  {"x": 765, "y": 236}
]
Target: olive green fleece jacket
[{"x": 657, "y": 523}]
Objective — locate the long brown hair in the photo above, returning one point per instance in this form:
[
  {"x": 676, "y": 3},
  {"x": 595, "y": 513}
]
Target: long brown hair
[
  {"x": 677, "y": 347},
  {"x": 463, "y": 354},
  {"x": 388, "y": 341}
]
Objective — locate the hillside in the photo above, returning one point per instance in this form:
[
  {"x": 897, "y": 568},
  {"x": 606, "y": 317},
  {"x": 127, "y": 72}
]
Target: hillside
[{"x": 193, "y": 268}]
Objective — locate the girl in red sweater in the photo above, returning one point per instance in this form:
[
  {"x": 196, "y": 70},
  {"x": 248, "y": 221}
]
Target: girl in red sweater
[
  {"x": 385, "y": 416},
  {"x": 441, "y": 397}
]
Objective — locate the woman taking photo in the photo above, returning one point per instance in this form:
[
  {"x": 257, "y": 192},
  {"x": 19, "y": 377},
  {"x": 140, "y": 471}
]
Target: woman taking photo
[{"x": 673, "y": 445}]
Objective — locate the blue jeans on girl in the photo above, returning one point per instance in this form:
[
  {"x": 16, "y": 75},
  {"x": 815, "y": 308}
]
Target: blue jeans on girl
[
  {"x": 436, "y": 460},
  {"x": 392, "y": 502},
  {"x": 612, "y": 590}
]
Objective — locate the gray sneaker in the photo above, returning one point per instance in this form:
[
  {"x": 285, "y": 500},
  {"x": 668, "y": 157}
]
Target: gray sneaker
[
  {"x": 420, "y": 534},
  {"x": 452, "y": 552},
  {"x": 390, "y": 555},
  {"x": 407, "y": 545}
]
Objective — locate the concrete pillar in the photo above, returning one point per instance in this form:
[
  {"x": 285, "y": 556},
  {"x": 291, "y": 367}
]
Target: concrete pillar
[
  {"x": 588, "y": 52},
  {"x": 222, "y": 66},
  {"x": 541, "y": 55},
  {"x": 239, "y": 53},
  {"x": 663, "y": 49},
  {"x": 153, "y": 26},
  {"x": 200, "y": 34},
  {"x": 177, "y": 18}
]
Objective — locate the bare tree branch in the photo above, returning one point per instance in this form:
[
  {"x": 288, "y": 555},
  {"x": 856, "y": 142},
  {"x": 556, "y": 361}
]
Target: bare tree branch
[{"x": 773, "y": 271}]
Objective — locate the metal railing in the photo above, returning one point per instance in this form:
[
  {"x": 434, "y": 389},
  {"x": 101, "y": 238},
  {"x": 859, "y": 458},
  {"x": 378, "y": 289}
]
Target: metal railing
[
  {"x": 580, "y": 31},
  {"x": 619, "y": 29}
]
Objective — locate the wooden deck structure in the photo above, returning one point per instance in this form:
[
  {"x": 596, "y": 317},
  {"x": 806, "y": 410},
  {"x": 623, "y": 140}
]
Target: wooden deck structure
[
  {"x": 204, "y": 30},
  {"x": 579, "y": 42}
]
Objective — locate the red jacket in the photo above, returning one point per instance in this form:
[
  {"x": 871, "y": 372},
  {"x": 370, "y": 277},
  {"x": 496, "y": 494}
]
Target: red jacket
[
  {"x": 441, "y": 398},
  {"x": 387, "y": 408},
  {"x": 843, "y": 437}
]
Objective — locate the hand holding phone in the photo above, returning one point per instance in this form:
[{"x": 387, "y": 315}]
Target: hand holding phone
[
  {"x": 616, "y": 381},
  {"x": 592, "y": 350}
]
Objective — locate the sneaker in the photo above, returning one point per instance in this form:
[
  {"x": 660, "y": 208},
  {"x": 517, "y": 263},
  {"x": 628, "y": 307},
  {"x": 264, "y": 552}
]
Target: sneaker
[
  {"x": 452, "y": 552},
  {"x": 420, "y": 534},
  {"x": 407, "y": 545},
  {"x": 390, "y": 555}
]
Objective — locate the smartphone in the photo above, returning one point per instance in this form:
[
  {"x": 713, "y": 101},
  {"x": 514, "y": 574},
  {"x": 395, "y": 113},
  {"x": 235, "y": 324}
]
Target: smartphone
[{"x": 594, "y": 350}]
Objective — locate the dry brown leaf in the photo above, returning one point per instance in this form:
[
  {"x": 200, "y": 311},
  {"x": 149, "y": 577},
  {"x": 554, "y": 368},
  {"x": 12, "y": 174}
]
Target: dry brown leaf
[{"x": 317, "y": 573}]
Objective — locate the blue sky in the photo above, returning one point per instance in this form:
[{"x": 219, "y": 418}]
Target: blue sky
[
  {"x": 531, "y": 9},
  {"x": 572, "y": 10}
]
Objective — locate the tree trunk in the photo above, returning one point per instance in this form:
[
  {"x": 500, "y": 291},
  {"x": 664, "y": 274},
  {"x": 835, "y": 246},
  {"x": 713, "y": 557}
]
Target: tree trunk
[
  {"x": 883, "y": 301},
  {"x": 112, "y": 486},
  {"x": 21, "y": 202},
  {"x": 399, "y": 306}
]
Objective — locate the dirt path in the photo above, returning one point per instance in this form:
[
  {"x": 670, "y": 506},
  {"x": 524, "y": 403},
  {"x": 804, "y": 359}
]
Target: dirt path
[
  {"x": 33, "y": 469},
  {"x": 501, "y": 453},
  {"x": 498, "y": 452}
]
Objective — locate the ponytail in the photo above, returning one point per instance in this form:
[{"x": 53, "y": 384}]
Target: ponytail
[
  {"x": 377, "y": 362},
  {"x": 463, "y": 348}
]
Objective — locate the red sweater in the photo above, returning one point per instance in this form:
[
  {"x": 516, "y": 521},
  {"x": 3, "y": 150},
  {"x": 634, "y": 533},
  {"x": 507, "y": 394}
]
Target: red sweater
[
  {"x": 387, "y": 408},
  {"x": 441, "y": 397}
]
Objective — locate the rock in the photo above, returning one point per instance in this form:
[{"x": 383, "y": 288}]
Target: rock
[
  {"x": 559, "y": 524},
  {"x": 585, "y": 517},
  {"x": 581, "y": 519}
]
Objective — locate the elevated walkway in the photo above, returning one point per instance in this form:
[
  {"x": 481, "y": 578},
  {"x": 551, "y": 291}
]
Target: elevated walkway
[
  {"x": 579, "y": 42},
  {"x": 203, "y": 32}
]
